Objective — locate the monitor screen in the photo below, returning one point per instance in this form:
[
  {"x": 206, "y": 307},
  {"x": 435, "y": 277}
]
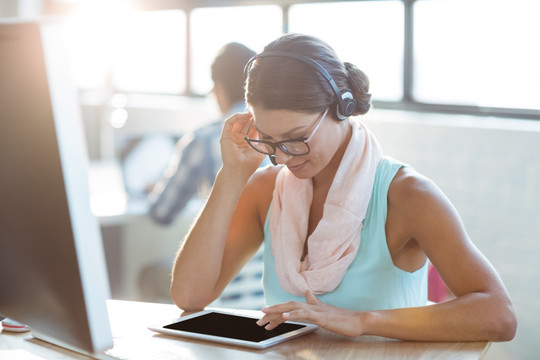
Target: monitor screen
[{"x": 52, "y": 268}]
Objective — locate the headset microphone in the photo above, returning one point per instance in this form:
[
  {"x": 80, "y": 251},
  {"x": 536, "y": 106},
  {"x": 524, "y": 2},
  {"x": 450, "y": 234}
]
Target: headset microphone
[{"x": 273, "y": 159}]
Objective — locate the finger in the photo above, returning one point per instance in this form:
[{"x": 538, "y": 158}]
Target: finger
[
  {"x": 264, "y": 320},
  {"x": 274, "y": 323},
  {"x": 235, "y": 127},
  {"x": 270, "y": 322},
  {"x": 282, "y": 307},
  {"x": 268, "y": 318},
  {"x": 237, "y": 123},
  {"x": 253, "y": 132},
  {"x": 300, "y": 315}
]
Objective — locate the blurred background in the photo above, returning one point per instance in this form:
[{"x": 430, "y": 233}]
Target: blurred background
[{"x": 456, "y": 94}]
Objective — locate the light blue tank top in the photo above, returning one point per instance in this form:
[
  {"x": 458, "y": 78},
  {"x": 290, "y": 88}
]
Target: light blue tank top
[{"x": 372, "y": 282}]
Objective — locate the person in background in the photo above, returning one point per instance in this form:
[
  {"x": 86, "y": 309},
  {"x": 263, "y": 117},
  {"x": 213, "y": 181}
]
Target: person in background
[
  {"x": 348, "y": 231},
  {"x": 197, "y": 157},
  {"x": 195, "y": 163}
]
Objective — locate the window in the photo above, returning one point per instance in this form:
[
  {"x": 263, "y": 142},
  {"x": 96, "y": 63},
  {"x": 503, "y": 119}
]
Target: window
[
  {"x": 130, "y": 51},
  {"x": 368, "y": 34},
  {"x": 211, "y": 28},
  {"x": 477, "y": 52},
  {"x": 466, "y": 56},
  {"x": 150, "y": 53}
]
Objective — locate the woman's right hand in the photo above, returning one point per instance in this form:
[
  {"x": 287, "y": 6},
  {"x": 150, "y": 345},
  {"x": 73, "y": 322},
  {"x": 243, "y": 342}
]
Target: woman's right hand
[{"x": 236, "y": 153}]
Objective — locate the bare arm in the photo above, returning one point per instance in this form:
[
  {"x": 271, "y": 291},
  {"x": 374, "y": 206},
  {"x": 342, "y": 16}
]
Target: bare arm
[
  {"x": 482, "y": 309},
  {"x": 217, "y": 246}
]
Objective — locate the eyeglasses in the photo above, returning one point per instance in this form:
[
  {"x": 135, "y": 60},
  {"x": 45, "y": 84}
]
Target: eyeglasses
[{"x": 295, "y": 147}]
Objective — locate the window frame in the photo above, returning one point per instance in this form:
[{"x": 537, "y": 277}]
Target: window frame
[{"x": 407, "y": 102}]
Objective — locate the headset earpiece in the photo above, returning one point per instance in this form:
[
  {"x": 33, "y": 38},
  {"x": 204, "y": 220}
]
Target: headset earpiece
[{"x": 346, "y": 105}]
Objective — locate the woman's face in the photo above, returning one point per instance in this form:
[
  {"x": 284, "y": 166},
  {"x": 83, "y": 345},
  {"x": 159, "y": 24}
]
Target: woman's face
[{"x": 280, "y": 125}]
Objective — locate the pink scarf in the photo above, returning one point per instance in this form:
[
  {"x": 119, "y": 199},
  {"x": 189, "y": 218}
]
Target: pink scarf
[{"x": 333, "y": 244}]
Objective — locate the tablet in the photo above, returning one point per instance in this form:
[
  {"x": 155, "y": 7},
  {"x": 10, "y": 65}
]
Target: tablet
[{"x": 231, "y": 328}]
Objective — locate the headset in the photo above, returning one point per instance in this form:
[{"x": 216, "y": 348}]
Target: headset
[{"x": 345, "y": 100}]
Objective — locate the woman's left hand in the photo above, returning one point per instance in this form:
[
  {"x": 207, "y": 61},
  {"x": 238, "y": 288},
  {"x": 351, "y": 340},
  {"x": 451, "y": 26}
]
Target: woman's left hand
[{"x": 341, "y": 321}]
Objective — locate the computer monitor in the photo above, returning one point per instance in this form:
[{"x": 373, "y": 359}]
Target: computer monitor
[{"x": 52, "y": 268}]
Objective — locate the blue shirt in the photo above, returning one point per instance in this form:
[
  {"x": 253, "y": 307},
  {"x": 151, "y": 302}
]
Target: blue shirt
[
  {"x": 192, "y": 170},
  {"x": 372, "y": 281}
]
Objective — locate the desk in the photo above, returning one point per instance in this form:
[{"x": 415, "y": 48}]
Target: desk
[{"x": 133, "y": 341}]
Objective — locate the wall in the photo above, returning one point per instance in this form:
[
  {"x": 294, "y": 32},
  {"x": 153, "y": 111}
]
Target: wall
[{"x": 490, "y": 170}]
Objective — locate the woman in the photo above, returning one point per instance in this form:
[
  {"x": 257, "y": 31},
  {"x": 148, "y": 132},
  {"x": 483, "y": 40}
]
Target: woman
[{"x": 347, "y": 231}]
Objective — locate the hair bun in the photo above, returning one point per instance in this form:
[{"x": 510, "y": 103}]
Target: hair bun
[
  {"x": 363, "y": 108},
  {"x": 359, "y": 85}
]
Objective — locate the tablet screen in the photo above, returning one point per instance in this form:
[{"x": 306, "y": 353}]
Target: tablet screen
[{"x": 231, "y": 326}]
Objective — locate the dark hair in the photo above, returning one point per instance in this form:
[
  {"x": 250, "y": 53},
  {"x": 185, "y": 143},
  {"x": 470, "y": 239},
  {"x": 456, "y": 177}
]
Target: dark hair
[
  {"x": 289, "y": 84},
  {"x": 228, "y": 68}
]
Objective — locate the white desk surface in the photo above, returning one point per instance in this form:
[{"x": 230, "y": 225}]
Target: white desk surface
[{"x": 134, "y": 341}]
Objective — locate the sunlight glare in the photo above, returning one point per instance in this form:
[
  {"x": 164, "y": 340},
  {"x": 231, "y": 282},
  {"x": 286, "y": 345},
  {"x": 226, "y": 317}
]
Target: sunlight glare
[{"x": 94, "y": 31}]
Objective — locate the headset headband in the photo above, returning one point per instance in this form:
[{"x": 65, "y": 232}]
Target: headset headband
[{"x": 345, "y": 100}]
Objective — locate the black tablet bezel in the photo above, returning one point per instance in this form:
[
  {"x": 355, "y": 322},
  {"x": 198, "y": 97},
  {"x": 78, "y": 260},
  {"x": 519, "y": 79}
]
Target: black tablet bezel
[{"x": 270, "y": 337}]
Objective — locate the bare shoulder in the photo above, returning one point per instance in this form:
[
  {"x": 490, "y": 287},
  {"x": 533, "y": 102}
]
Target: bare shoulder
[
  {"x": 410, "y": 191},
  {"x": 264, "y": 177},
  {"x": 261, "y": 183},
  {"x": 260, "y": 188},
  {"x": 423, "y": 212},
  {"x": 420, "y": 209}
]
